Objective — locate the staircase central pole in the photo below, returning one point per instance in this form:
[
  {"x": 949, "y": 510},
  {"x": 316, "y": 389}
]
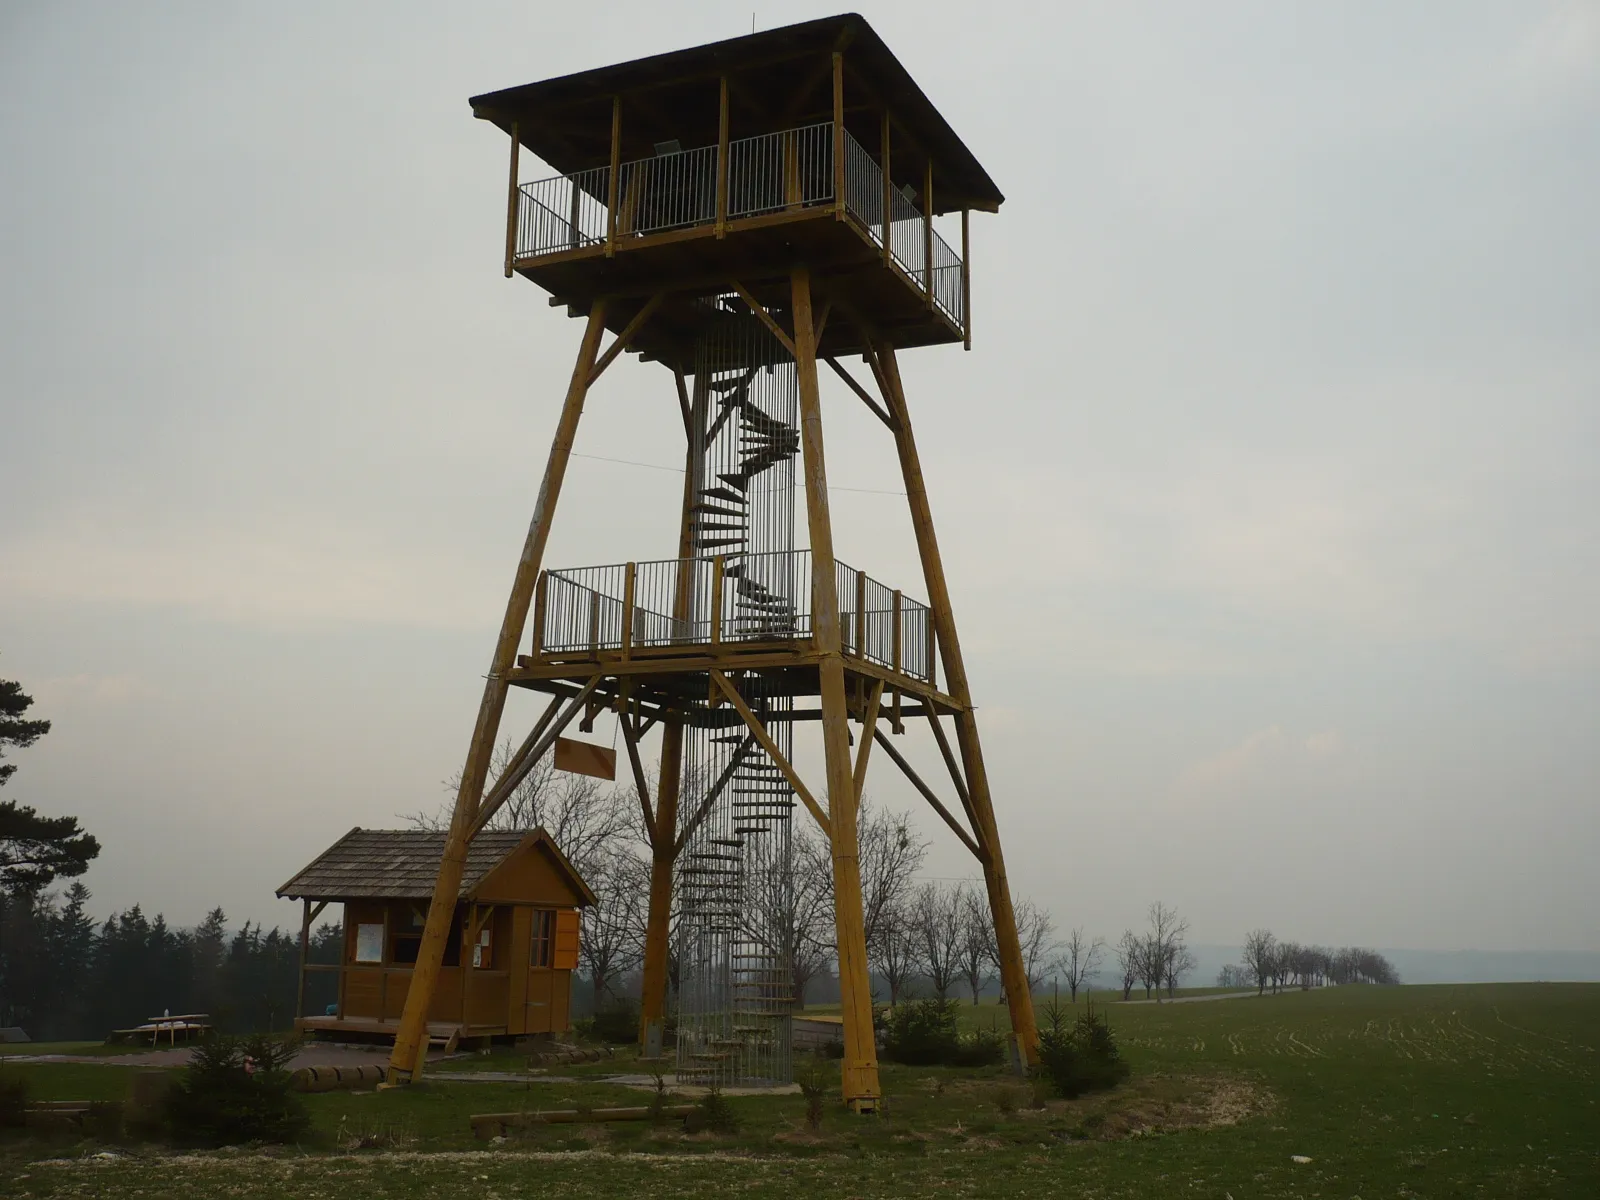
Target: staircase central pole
[
  {"x": 859, "y": 1074},
  {"x": 411, "y": 1042}
]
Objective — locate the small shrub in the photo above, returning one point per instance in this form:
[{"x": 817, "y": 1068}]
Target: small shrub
[
  {"x": 980, "y": 1048},
  {"x": 13, "y": 1099},
  {"x": 1005, "y": 1100},
  {"x": 1079, "y": 1055},
  {"x": 237, "y": 1090},
  {"x": 615, "y": 1025},
  {"x": 713, "y": 1114},
  {"x": 658, "y": 1097},
  {"x": 813, "y": 1086},
  {"x": 922, "y": 1033}
]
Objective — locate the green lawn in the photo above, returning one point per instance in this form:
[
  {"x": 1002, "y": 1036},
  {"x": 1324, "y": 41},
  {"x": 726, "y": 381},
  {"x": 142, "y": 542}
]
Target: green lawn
[{"x": 1487, "y": 1091}]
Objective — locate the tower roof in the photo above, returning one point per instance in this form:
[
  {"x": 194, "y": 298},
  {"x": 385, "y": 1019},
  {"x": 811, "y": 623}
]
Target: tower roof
[{"x": 777, "y": 78}]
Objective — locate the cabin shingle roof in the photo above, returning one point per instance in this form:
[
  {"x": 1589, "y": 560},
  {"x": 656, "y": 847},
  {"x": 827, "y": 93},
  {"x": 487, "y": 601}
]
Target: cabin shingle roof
[{"x": 402, "y": 864}]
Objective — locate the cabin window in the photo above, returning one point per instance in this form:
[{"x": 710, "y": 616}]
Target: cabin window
[
  {"x": 369, "y": 942},
  {"x": 544, "y": 929},
  {"x": 406, "y": 947}
]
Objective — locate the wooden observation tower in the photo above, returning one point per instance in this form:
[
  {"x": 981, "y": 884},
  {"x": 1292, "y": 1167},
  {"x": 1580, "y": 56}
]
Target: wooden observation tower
[{"x": 741, "y": 213}]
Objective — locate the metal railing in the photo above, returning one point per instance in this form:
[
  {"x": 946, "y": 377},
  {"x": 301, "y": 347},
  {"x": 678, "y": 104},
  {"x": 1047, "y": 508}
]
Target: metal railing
[
  {"x": 772, "y": 172},
  {"x": 738, "y": 598}
]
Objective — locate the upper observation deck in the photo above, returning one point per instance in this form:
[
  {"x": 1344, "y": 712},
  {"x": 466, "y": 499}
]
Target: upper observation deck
[{"x": 734, "y": 163}]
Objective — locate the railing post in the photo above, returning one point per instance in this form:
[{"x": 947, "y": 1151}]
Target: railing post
[
  {"x": 933, "y": 646},
  {"x": 627, "y": 610},
  {"x": 861, "y": 614},
  {"x": 512, "y": 206},
  {"x": 888, "y": 194},
  {"x": 927, "y": 231},
  {"x": 540, "y": 595},
  {"x": 594, "y": 622},
  {"x": 894, "y": 653},
  {"x": 722, "y": 160},
  {"x": 966, "y": 284},
  {"x": 838, "y": 135},
  {"x": 616, "y": 172},
  {"x": 716, "y": 600}
]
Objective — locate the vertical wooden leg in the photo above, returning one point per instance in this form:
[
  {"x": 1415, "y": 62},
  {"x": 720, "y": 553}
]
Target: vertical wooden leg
[
  {"x": 305, "y": 953},
  {"x": 1013, "y": 974},
  {"x": 653, "y": 983},
  {"x": 859, "y": 1074},
  {"x": 411, "y": 1042}
]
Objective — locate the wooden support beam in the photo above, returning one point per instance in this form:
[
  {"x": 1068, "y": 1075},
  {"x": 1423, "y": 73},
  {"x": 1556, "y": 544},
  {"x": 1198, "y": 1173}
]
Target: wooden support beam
[
  {"x": 866, "y": 397},
  {"x": 927, "y": 794},
  {"x": 630, "y": 737},
  {"x": 411, "y": 1041},
  {"x": 765, "y": 317},
  {"x": 950, "y": 763},
  {"x": 683, "y": 404},
  {"x": 528, "y": 743},
  {"x": 722, "y": 157},
  {"x": 626, "y": 336},
  {"x": 759, "y": 732},
  {"x": 630, "y": 575},
  {"x": 509, "y": 782},
  {"x": 614, "y": 181},
  {"x": 966, "y": 281},
  {"x": 838, "y": 136},
  {"x": 869, "y": 726},
  {"x": 888, "y": 192},
  {"x": 513, "y": 202}
]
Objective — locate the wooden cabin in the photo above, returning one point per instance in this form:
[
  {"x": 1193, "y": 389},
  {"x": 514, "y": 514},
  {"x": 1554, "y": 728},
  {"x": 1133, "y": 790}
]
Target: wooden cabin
[{"x": 512, "y": 948}]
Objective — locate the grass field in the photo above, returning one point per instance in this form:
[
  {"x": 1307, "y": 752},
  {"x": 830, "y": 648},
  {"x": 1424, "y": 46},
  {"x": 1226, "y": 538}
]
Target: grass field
[{"x": 1484, "y": 1091}]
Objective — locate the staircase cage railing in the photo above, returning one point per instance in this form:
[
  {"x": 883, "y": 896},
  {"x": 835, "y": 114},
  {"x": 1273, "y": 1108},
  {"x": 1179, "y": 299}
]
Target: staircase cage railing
[
  {"x": 791, "y": 169},
  {"x": 727, "y": 599}
]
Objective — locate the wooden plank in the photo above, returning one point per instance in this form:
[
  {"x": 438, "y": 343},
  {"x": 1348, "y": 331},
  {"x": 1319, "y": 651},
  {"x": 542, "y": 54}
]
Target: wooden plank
[
  {"x": 513, "y": 202},
  {"x": 719, "y": 567},
  {"x": 759, "y": 732},
  {"x": 630, "y": 575},
  {"x": 540, "y": 603},
  {"x": 411, "y": 1041},
  {"x": 585, "y": 758},
  {"x": 928, "y": 795}
]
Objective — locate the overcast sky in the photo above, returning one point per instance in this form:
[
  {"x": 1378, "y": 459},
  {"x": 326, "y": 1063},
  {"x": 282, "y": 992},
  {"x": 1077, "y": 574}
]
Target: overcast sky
[{"x": 1269, "y": 492}]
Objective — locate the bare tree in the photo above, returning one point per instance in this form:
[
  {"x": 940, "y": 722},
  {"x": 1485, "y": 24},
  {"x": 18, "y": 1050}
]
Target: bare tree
[
  {"x": 892, "y": 952},
  {"x": 1260, "y": 949},
  {"x": 1079, "y": 960},
  {"x": 1130, "y": 960},
  {"x": 609, "y": 941},
  {"x": 1178, "y": 964},
  {"x": 1164, "y": 945},
  {"x": 805, "y": 917},
  {"x": 890, "y": 855},
  {"x": 937, "y": 913},
  {"x": 977, "y": 949},
  {"x": 1035, "y": 930}
]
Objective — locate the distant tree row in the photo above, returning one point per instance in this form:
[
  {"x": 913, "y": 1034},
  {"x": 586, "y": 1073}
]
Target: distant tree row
[{"x": 1269, "y": 963}]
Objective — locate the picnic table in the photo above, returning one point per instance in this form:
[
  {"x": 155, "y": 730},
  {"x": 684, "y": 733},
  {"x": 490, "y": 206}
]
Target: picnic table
[{"x": 186, "y": 1025}]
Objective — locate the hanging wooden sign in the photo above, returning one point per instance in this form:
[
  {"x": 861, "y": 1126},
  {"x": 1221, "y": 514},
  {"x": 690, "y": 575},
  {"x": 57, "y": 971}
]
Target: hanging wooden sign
[{"x": 585, "y": 758}]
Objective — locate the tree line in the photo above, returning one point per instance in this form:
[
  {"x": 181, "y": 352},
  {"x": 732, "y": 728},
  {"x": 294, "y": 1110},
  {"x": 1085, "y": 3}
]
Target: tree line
[{"x": 1269, "y": 963}]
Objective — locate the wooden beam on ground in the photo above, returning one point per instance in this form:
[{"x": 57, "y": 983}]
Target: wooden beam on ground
[
  {"x": 626, "y": 336},
  {"x": 771, "y": 747},
  {"x": 927, "y": 794}
]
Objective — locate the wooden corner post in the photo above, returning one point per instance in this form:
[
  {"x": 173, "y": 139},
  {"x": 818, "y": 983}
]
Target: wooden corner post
[
  {"x": 411, "y": 1042},
  {"x": 860, "y": 1068},
  {"x": 838, "y": 136},
  {"x": 513, "y": 195},
  {"x": 1013, "y": 974}
]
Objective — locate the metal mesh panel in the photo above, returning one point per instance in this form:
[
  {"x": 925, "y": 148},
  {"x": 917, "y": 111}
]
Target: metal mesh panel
[{"x": 735, "y": 877}]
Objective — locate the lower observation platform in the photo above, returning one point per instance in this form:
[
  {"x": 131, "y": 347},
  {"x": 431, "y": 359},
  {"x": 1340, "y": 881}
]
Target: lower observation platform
[{"x": 659, "y": 628}]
